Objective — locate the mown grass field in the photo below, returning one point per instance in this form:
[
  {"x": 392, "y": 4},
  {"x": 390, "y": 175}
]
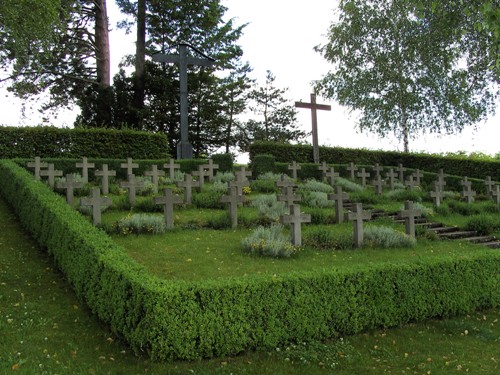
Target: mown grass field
[{"x": 44, "y": 329}]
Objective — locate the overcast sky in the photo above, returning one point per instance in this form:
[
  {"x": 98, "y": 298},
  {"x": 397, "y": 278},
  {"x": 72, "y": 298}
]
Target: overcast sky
[{"x": 280, "y": 37}]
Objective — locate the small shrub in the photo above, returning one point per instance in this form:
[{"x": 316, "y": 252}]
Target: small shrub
[
  {"x": 178, "y": 177},
  {"x": 147, "y": 204},
  {"x": 484, "y": 224},
  {"x": 208, "y": 199},
  {"x": 140, "y": 223},
  {"x": 264, "y": 186},
  {"x": 325, "y": 239},
  {"x": 316, "y": 199},
  {"x": 149, "y": 188},
  {"x": 263, "y": 163},
  {"x": 365, "y": 196},
  {"x": 321, "y": 216},
  {"x": 424, "y": 210},
  {"x": 348, "y": 185},
  {"x": 224, "y": 177},
  {"x": 269, "y": 176},
  {"x": 404, "y": 195},
  {"x": 268, "y": 206},
  {"x": 385, "y": 237},
  {"x": 216, "y": 187},
  {"x": 224, "y": 161},
  {"x": 219, "y": 221},
  {"x": 443, "y": 209},
  {"x": 314, "y": 185},
  {"x": 269, "y": 241},
  {"x": 463, "y": 208}
]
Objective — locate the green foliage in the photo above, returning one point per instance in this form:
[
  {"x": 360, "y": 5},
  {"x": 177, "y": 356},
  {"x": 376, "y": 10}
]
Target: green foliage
[
  {"x": 269, "y": 176},
  {"x": 269, "y": 241},
  {"x": 140, "y": 223},
  {"x": 484, "y": 224},
  {"x": 379, "y": 236},
  {"x": 224, "y": 161},
  {"x": 424, "y": 210},
  {"x": 217, "y": 186},
  {"x": 325, "y": 239},
  {"x": 321, "y": 215},
  {"x": 365, "y": 197},
  {"x": 51, "y": 142},
  {"x": 268, "y": 206},
  {"x": 316, "y": 199},
  {"x": 208, "y": 199},
  {"x": 464, "y": 208},
  {"x": 414, "y": 195},
  {"x": 348, "y": 185},
  {"x": 262, "y": 164},
  {"x": 178, "y": 177},
  {"x": 224, "y": 177},
  {"x": 264, "y": 186},
  {"x": 314, "y": 185}
]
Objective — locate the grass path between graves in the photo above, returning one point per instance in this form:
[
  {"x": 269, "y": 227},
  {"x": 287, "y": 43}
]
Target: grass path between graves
[{"x": 44, "y": 329}]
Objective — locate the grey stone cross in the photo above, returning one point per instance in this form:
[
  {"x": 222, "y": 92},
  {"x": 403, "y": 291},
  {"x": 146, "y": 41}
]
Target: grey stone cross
[
  {"x": 379, "y": 184},
  {"x": 330, "y": 176},
  {"x": 200, "y": 173},
  {"x": 409, "y": 214},
  {"x": 363, "y": 175},
  {"x": 465, "y": 182},
  {"x": 69, "y": 185},
  {"x": 171, "y": 167},
  {"x": 352, "y": 168},
  {"x": 241, "y": 179},
  {"x": 155, "y": 174},
  {"x": 210, "y": 167},
  {"x": 437, "y": 194},
  {"x": 129, "y": 166},
  {"x": 188, "y": 184},
  {"x": 489, "y": 185},
  {"x": 105, "y": 174},
  {"x": 51, "y": 174},
  {"x": 96, "y": 202},
  {"x": 418, "y": 176},
  {"x": 131, "y": 185},
  {"x": 357, "y": 215},
  {"x": 85, "y": 166},
  {"x": 441, "y": 179},
  {"x": 294, "y": 167},
  {"x": 391, "y": 175},
  {"x": 295, "y": 219},
  {"x": 284, "y": 182},
  {"x": 167, "y": 201},
  {"x": 233, "y": 198},
  {"x": 377, "y": 169},
  {"x": 323, "y": 168},
  {"x": 495, "y": 194},
  {"x": 401, "y": 171},
  {"x": 37, "y": 165},
  {"x": 288, "y": 196},
  {"x": 468, "y": 193},
  {"x": 339, "y": 196},
  {"x": 411, "y": 183}
]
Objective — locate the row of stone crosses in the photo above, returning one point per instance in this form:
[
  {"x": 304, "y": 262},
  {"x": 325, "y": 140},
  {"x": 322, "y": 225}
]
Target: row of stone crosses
[{"x": 235, "y": 191}]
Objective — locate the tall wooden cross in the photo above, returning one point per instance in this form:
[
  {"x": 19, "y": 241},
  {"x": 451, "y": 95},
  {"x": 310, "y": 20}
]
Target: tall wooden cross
[
  {"x": 313, "y": 106},
  {"x": 184, "y": 148}
]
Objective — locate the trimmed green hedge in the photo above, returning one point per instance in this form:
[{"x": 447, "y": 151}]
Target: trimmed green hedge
[
  {"x": 52, "y": 142},
  {"x": 188, "y": 320},
  {"x": 287, "y": 153}
]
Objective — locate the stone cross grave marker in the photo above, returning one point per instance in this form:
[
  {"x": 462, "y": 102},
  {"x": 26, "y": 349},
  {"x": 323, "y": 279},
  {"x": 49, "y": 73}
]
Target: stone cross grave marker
[
  {"x": 167, "y": 200},
  {"x": 488, "y": 183},
  {"x": 131, "y": 185},
  {"x": 441, "y": 179},
  {"x": 294, "y": 167},
  {"x": 495, "y": 194},
  {"x": 129, "y": 166},
  {"x": 379, "y": 184},
  {"x": 339, "y": 196},
  {"x": 352, "y": 168},
  {"x": 184, "y": 147},
  {"x": 409, "y": 214},
  {"x": 188, "y": 184},
  {"x": 465, "y": 182},
  {"x": 391, "y": 175},
  {"x": 155, "y": 174},
  {"x": 284, "y": 182},
  {"x": 400, "y": 169},
  {"x": 241, "y": 179},
  {"x": 171, "y": 167},
  {"x": 468, "y": 193},
  {"x": 418, "y": 176},
  {"x": 69, "y": 185},
  {"x": 377, "y": 169},
  {"x": 363, "y": 175},
  {"x": 200, "y": 173},
  {"x": 330, "y": 176},
  {"x": 313, "y": 106},
  {"x": 323, "y": 168},
  {"x": 357, "y": 215},
  {"x": 37, "y": 165},
  {"x": 96, "y": 202},
  {"x": 105, "y": 174},
  {"x": 411, "y": 183},
  {"x": 210, "y": 167},
  {"x": 85, "y": 166},
  {"x": 437, "y": 194},
  {"x": 51, "y": 174},
  {"x": 288, "y": 196},
  {"x": 233, "y": 198},
  {"x": 295, "y": 220}
]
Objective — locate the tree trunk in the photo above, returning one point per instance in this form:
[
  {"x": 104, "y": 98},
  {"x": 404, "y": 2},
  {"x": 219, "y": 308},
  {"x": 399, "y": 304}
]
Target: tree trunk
[
  {"x": 404, "y": 128},
  {"x": 102, "y": 44},
  {"x": 140, "y": 58}
]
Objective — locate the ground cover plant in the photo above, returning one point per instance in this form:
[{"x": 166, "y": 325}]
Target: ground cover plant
[
  {"x": 196, "y": 231},
  {"x": 46, "y": 329}
]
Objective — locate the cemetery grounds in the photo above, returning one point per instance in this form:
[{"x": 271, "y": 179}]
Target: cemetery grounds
[{"x": 45, "y": 329}]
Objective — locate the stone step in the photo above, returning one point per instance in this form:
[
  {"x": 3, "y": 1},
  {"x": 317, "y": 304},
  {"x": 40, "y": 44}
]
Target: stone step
[
  {"x": 444, "y": 229},
  {"x": 430, "y": 225},
  {"x": 492, "y": 245},
  {"x": 463, "y": 234},
  {"x": 481, "y": 239}
]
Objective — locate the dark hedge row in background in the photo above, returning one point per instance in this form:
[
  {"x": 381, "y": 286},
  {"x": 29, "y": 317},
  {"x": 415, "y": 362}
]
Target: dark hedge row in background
[
  {"x": 51, "y": 142},
  {"x": 457, "y": 166}
]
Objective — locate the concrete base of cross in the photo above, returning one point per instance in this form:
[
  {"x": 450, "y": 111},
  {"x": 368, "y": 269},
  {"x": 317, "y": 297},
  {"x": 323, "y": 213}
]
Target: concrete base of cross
[{"x": 184, "y": 150}]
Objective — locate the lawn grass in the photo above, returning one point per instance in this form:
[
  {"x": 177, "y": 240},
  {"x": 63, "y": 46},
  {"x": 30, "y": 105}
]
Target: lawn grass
[{"x": 44, "y": 329}]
